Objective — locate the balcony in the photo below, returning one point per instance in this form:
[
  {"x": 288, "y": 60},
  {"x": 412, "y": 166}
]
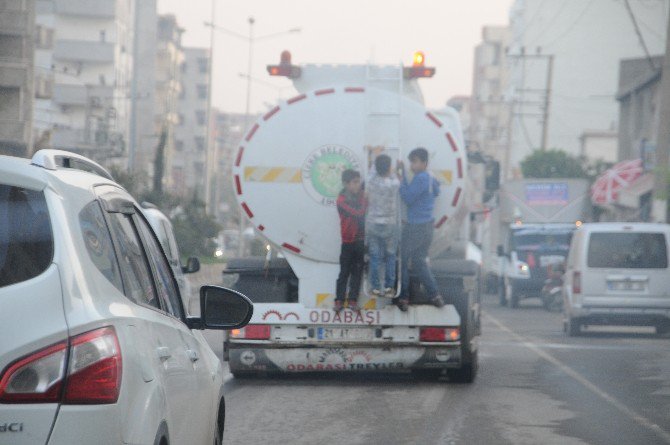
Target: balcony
[
  {"x": 82, "y": 51},
  {"x": 13, "y": 76},
  {"x": 13, "y": 131},
  {"x": 97, "y": 95},
  {"x": 86, "y": 8},
  {"x": 14, "y": 23}
]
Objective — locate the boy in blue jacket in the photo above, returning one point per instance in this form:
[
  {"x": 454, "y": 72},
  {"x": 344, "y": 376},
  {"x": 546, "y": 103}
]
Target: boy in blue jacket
[{"x": 417, "y": 232}]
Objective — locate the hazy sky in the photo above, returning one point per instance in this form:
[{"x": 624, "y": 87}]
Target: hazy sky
[{"x": 338, "y": 31}]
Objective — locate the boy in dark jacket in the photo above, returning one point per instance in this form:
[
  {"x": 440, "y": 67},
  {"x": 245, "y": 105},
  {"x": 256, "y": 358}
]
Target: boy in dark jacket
[
  {"x": 351, "y": 206},
  {"x": 417, "y": 233}
]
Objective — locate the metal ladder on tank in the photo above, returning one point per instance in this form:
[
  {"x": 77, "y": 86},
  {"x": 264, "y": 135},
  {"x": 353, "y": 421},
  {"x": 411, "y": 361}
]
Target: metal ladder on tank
[{"x": 383, "y": 129}]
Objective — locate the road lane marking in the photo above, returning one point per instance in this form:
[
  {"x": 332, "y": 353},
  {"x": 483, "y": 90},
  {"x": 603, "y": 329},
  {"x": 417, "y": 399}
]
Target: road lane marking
[
  {"x": 631, "y": 347},
  {"x": 637, "y": 418}
]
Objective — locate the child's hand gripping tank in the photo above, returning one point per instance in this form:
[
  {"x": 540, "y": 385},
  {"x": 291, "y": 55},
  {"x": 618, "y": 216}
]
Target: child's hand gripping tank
[{"x": 287, "y": 175}]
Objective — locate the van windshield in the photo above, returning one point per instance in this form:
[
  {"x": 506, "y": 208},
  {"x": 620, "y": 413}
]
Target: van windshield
[
  {"x": 26, "y": 241},
  {"x": 627, "y": 250}
]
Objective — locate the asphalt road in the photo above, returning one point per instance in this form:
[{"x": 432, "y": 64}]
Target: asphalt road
[{"x": 535, "y": 386}]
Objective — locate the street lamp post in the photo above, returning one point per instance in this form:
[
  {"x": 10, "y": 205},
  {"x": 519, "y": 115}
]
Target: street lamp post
[{"x": 251, "y": 39}]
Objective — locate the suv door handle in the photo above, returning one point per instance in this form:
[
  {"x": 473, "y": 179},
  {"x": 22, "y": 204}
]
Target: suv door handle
[
  {"x": 193, "y": 355},
  {"x": 163, "y": 353}
]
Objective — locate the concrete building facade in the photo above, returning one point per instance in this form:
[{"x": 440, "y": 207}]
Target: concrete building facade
[
  {"x": 17, "y": 33},
  {"x": 86, "y": 57},
  {"x": 189, "y": 164},
  {"x": 586, "y": 40},
  {"x": 490, "y": 109}
]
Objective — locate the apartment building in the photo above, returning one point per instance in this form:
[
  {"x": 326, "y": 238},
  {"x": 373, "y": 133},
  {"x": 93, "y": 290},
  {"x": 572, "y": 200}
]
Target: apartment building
[
  {"x": 189, "y": 164},
  {"x": 83, "y": 63},
  {"x": 16, "y": 76},
  {"x": 489, "y": 107}
]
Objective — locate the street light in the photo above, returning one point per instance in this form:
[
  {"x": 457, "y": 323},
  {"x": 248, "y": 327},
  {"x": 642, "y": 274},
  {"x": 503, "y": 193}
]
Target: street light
[{"x": 250, "y": 39}]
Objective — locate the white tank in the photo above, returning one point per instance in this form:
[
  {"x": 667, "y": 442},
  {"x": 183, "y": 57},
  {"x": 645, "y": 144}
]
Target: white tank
[{"x": 287, "y": 171}]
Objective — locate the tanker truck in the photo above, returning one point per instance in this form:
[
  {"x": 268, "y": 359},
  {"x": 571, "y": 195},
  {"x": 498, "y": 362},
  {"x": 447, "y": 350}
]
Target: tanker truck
[{"x": 287, "y": 176}]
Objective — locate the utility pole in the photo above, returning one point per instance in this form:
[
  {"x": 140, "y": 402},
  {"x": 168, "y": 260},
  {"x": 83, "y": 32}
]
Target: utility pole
[
  {"x": 660, "y": 203},
  {"x": 547, "y": 102},
  {"x": 210, "y": 146}
]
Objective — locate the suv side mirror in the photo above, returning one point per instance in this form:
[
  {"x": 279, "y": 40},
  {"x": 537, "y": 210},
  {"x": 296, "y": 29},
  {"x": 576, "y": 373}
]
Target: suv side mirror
[
  {"x": 192, "y": 265},
  {"x": 222, "y": 308},
  {"x": 500, "y": 250}
]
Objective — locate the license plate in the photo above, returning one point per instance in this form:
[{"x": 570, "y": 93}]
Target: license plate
[
  {"x": 625, "y": 285},
  {"x": 547, "y": 260},
  {"x": 344, "y": 334}
]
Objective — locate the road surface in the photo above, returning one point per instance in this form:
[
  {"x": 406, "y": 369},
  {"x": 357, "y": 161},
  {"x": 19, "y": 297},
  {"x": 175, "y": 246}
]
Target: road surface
[{"x": 535, "y": 385}]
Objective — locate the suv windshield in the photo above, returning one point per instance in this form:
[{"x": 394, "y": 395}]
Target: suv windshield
[
  {"x": 26, "y": 241},
  {"x": 628, "y": 250}
]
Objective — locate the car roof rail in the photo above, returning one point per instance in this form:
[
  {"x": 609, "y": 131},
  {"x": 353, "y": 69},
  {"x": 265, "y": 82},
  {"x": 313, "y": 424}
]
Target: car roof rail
[{"x": 55, "y": 159}]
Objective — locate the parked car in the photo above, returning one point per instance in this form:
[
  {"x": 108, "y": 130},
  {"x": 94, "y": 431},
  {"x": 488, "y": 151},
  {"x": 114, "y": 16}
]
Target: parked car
[
  {"x": 162, "y": 226},
  {"x": 617, "y": 274},
  {"x": 96, "y": 346}
]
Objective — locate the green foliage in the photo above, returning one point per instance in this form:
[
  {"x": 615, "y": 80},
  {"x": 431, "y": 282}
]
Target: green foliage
[
  {"x": 195, "y": 230},
  {"x": 553, "y": 163}
]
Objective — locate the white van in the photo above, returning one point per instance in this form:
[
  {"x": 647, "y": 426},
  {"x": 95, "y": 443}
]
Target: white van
[{"x": 617, "y": 274}]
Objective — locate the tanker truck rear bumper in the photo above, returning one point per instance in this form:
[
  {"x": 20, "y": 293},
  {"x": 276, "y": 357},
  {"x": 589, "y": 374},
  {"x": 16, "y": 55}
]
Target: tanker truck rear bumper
[{"x": 255, "y": 357}]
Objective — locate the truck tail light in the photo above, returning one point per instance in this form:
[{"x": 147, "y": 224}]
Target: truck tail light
[
  {"x": 439, "y": 334},
  {"x": 92, "y": 362},
  {"x": 252, "y": 332},
  {"x": 576, "y": 282},
  {"x": 94, "y": 369}
]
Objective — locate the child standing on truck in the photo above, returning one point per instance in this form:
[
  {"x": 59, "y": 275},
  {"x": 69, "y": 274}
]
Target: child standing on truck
[
  {"x": 351, "y": 206},
  {"x": 417, "y": 233},
  {"x": 382, "y": 225}
]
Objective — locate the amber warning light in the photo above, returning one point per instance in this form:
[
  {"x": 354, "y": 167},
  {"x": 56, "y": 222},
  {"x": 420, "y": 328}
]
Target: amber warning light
[
  {"x": 285, "y": 67},
  {"x": 418, "y": 68}
]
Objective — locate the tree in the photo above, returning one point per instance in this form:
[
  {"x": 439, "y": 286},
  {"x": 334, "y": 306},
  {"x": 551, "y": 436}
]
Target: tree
[
  {"x": 195, "y": 229},
  {"x": 552, "y": 163}
]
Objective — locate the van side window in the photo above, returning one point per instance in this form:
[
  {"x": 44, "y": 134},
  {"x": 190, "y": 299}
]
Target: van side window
[
  {"x": 627, "y": 250},
  {"x": 99, "y": 243},
  {"x": 134, "y": 266},
  {"x": 167, "y": 288}
]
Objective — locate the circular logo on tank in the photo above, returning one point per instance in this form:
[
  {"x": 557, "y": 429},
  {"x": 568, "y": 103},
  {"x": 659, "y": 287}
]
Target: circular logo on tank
[{"x": 322, "y": 172}]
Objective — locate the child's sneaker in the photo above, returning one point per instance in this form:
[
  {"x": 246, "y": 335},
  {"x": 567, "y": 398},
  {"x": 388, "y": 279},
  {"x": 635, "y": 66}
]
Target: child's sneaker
[
  {"x": 338, "y": 306},
  {"x": 389, "y": 292},
  {"x": 376, "y": 292},
  {"x": 353, "y": 305}
]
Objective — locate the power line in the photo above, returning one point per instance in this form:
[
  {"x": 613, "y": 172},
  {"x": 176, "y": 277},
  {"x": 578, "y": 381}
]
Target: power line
[
  {"x": 572, "y": 25},
  {"x": 639, "y": 34}
]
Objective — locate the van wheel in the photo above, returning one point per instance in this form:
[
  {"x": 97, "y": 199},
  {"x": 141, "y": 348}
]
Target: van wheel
[
  {"x": 573, "y": 327},
  {"x": 220, "y": 422},
  {"x": 513, "y": 295}
]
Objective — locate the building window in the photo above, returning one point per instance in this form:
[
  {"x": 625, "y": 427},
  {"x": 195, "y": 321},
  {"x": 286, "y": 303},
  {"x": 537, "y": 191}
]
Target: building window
[
  {"x": 202, "y": 91},
  {"x": 44, "y": 37},
  {"x": 180, "y": 119},
  {"x": 103, "y": 35},
  {"x": 203, "y": 65},
  {"x": 199, "y": 142},
  {"x": 179, "y": 145},
  {"x": 200, "y": 116},
  {"x": 183, "y": 67}
]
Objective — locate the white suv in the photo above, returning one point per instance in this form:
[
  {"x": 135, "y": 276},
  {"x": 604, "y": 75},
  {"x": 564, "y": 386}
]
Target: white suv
[{"x": 95, "y": 344}]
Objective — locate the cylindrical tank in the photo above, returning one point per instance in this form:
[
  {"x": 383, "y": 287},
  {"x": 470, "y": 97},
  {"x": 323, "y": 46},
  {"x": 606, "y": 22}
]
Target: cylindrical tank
[{"x": 288, "y": 167}]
